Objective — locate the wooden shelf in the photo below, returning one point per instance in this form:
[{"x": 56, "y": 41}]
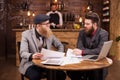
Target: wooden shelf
[
  {"x": 106, "y": 14},
  {"x": 106, "y": 11}
]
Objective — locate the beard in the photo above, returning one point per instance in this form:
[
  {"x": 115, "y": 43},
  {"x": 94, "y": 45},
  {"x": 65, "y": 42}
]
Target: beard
[
  {"x": 89, "y": 32},
  {"x": 46, "y": 32}
]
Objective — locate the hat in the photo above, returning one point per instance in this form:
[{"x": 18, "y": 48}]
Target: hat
[{"x": 40, "y": 18}]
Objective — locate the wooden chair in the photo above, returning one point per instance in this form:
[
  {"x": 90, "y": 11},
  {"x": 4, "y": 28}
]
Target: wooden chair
[{"x": 22, "y": 76}]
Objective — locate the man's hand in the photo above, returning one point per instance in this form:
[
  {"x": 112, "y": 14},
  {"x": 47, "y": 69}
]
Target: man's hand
[
  {"x": 37, "y": 55},
  {"x": 53, "y": 24},
  {"x": 59, "y": 26},
  {"x": 77, "y": 51}
]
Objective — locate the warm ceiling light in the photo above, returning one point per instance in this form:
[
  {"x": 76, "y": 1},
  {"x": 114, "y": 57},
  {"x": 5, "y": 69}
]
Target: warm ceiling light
[
  {"x": 55, "y": 1},
  {"x": 80, "y": 19},
  {"x": 90, "y": 6},
  {"x": 33, "y": 14},
  {"x": 28, "y": 13}
]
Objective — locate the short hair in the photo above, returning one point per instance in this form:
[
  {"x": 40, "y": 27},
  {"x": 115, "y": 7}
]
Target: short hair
[
  {"x": 53, "y": 4},
  {"x": 94, "y": 17}
]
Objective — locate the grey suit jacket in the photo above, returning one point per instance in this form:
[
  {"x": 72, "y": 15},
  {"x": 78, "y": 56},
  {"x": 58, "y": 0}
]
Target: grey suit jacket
[
  {"x": 29, "y": 46},
  {"x": 92, "y": 45}
]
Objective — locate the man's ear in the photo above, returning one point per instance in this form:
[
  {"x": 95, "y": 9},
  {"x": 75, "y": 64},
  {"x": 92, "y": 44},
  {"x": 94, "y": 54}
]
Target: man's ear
[
  {"x": 37, "y": 25},
  {"x": 94, "y": 24}
]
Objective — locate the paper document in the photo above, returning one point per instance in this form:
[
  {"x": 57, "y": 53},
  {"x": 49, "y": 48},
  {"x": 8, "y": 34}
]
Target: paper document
[
  {"x": 53, "y": 61},
  {"x": 61, "y": 61},
  {"x": 70, "y": 53},
  {"x": 47, "y": 54},
  {"x": 51, "y": 57},
  {"x": 70, "y": 60}
]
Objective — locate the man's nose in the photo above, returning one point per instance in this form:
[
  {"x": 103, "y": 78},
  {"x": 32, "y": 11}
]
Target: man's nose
[{"x": 84, "y": 26}]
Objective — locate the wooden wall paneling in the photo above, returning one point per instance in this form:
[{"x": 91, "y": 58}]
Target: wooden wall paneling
[{"x": 115, "y": 28}]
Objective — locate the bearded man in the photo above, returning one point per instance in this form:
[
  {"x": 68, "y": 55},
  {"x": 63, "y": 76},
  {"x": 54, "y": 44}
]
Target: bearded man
[
  {"x": 90, "y": 42},
  {"x": 31, "y": 43}
]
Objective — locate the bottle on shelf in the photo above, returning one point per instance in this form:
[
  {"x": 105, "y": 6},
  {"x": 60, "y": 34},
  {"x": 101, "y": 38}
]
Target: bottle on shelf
[
  {"x": 106, "y": 20},
  {"x": 106, "y": 2},
  {"x": 106, "y": 13},
  {"x": 106, "y": 8}
]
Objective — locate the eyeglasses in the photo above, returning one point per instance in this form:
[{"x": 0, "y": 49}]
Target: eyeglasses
[{"x": 45, "y": 24}]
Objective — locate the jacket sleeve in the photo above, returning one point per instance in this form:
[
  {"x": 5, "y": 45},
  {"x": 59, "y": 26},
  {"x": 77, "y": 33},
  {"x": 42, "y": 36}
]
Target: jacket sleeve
[
  {"x": 57, "y": 44},
  {"x": 24, "y": 50},
  {"x": 80, "y": 41}
]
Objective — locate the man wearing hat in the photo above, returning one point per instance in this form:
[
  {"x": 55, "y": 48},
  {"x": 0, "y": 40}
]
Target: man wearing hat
[{"x": 31, "y": 43}]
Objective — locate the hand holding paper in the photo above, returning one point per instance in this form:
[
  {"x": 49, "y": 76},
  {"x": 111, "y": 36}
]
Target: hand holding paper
[
  {"x": 47, "y": 54},
  {"x": 77, "y": 52},
  {"x": 71, "y": 54},
  {"x": 37, "y": 55}
]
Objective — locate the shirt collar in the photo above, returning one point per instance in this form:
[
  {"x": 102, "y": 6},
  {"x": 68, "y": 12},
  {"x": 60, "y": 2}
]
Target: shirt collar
[
  {"x": 93, "y": 33},
  {"x": 54, "y": 11},
  {"x": 37, "y": 34}
]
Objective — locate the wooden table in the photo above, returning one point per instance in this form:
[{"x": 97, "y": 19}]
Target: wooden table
[{"x": 83, "y": 65}]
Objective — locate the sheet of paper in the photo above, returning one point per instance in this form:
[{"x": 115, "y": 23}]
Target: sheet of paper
[
  {"x": 51, "y": 57},
  {"x": 109, "y": 60},
  {"x": 53, "y": 61},
  {"x": 47, "y": 54},
  {"x": 70, "y": 60},
  {"x": 61, "y": 61},
  {"x": 70, "y": 53}
]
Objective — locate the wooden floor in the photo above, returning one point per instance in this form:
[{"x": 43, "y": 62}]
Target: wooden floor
[{"x": 8, "y": 70}]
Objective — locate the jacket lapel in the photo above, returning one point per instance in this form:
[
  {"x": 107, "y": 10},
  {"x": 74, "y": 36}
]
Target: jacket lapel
[
  {"x": 96, "y": 35},
  {"x": 35, "y": 39}
]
